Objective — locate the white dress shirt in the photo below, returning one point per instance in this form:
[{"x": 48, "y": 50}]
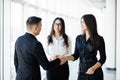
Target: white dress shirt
[{"x": 58, "y": 47}]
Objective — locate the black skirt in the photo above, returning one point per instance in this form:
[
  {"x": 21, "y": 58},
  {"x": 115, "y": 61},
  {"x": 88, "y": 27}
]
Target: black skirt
[
  {"x": 59, "y": 73},
  {"x": 98, "y": 75}
]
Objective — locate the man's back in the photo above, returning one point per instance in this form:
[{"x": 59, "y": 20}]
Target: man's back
[
  {"x": 29, "y": 54},
  {"x": 28, "y": 68}
]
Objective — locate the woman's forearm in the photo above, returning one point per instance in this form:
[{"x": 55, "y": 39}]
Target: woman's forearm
[
  {"x": 96, "y": 66},
  {"x": 92, "y": 69},
  {"x": 69, "y": 57}
]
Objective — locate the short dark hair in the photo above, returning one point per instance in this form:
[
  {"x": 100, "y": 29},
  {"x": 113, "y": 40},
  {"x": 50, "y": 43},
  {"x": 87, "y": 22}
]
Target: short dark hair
[{"x": 33, "y": 20}]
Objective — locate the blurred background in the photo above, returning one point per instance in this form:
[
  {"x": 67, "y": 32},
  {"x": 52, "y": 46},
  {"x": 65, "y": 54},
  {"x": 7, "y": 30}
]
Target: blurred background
[{"x": 14, "y": 13}]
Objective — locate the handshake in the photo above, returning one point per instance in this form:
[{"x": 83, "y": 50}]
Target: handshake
[{"x": 63, "y": 58}]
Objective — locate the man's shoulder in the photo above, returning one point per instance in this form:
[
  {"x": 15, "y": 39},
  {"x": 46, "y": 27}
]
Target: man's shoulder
[{"x": 20, "y": 38}]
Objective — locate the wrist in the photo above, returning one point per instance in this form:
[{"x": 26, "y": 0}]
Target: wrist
[
  {"x": 65, "y": 57},
  {"x": 93, "y": 68}
]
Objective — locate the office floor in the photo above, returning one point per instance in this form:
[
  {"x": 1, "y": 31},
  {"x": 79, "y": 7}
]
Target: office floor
[{"x": 109, "y": 74}]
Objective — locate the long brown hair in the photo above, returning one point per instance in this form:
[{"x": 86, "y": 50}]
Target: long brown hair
[
  {"x": 91, "y": 24},
  {"x": 62, "y": 32}
]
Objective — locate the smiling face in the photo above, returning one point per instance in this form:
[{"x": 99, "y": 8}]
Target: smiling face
[
  {"x": 83, "y": 25},
  {"x": 57, "y": 26}
]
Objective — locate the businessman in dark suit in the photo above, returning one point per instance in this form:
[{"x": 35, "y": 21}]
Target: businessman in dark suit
[{"x": 29, "y": 53}]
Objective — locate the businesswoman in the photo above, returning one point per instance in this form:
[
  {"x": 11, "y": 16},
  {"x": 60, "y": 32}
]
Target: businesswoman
[
  {"x": 86, "y": 47},
  {"x": 59, "y": 44}
]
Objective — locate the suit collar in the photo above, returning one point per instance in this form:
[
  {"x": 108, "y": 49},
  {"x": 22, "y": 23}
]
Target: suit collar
[{"x": 27, "y": 33}]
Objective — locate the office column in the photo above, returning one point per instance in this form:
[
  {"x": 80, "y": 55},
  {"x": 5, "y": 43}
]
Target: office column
[
  {"x": 6, "y": 38},
  {"x": 1, "y": 40},
  {"x": 118, "y": 43},
  {"x": 110, "y": 34}
]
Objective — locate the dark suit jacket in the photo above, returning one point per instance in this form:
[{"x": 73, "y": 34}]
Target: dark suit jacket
[{"x": 29, "y": 54}]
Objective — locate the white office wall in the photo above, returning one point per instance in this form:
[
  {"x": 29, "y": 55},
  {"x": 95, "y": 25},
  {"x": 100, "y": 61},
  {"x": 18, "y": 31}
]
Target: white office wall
[
  {"x": 118, "y": 42},
  {"x": 1, "y": 39},
  {"x": 110, "y": 35}
]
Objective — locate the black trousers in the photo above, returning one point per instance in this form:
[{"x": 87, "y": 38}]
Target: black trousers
[{"x": 59, "y": 73}]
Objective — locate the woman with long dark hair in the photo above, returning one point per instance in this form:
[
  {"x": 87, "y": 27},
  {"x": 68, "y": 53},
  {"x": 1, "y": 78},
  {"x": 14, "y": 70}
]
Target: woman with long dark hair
[
  {"x": 58, "y": 45},
  {"x": 86, "y": 47}
]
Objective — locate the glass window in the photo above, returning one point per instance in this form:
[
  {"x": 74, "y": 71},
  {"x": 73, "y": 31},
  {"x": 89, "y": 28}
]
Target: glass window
[
  {"x": 16, "y": 20},
  {"x": 50, "y": 5},
  {"x": 16, "y": 30},
  {"x": 32, "y": 11},
  {"x": 58, "y": 6},
  {"x": 41, "y": 3},
  {"x": 32, "y": 1}
]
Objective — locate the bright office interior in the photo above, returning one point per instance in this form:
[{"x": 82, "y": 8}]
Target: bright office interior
[{"x": 14, "y": 13}]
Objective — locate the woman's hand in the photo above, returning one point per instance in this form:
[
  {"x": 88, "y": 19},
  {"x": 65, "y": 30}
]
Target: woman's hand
[
  {"x": 53, "y": 57},
  {"x": 91, "y": 70}
]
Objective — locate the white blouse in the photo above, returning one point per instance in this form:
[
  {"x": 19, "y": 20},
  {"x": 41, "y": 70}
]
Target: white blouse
[{"x": 58, "y": 47}]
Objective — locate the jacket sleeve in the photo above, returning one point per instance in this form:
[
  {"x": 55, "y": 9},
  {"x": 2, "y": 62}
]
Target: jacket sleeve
[
  {"x": 15, "y": 61},
  {"x": 76, "y": 52},
  {"x": 42, "y": 59},
  {"x": 102, "y": 51}
]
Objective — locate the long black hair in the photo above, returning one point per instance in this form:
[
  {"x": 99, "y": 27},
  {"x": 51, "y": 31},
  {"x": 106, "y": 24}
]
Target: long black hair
[
  {"x": 62, "y": 32},
  {"x": 91, "y": 24}
]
